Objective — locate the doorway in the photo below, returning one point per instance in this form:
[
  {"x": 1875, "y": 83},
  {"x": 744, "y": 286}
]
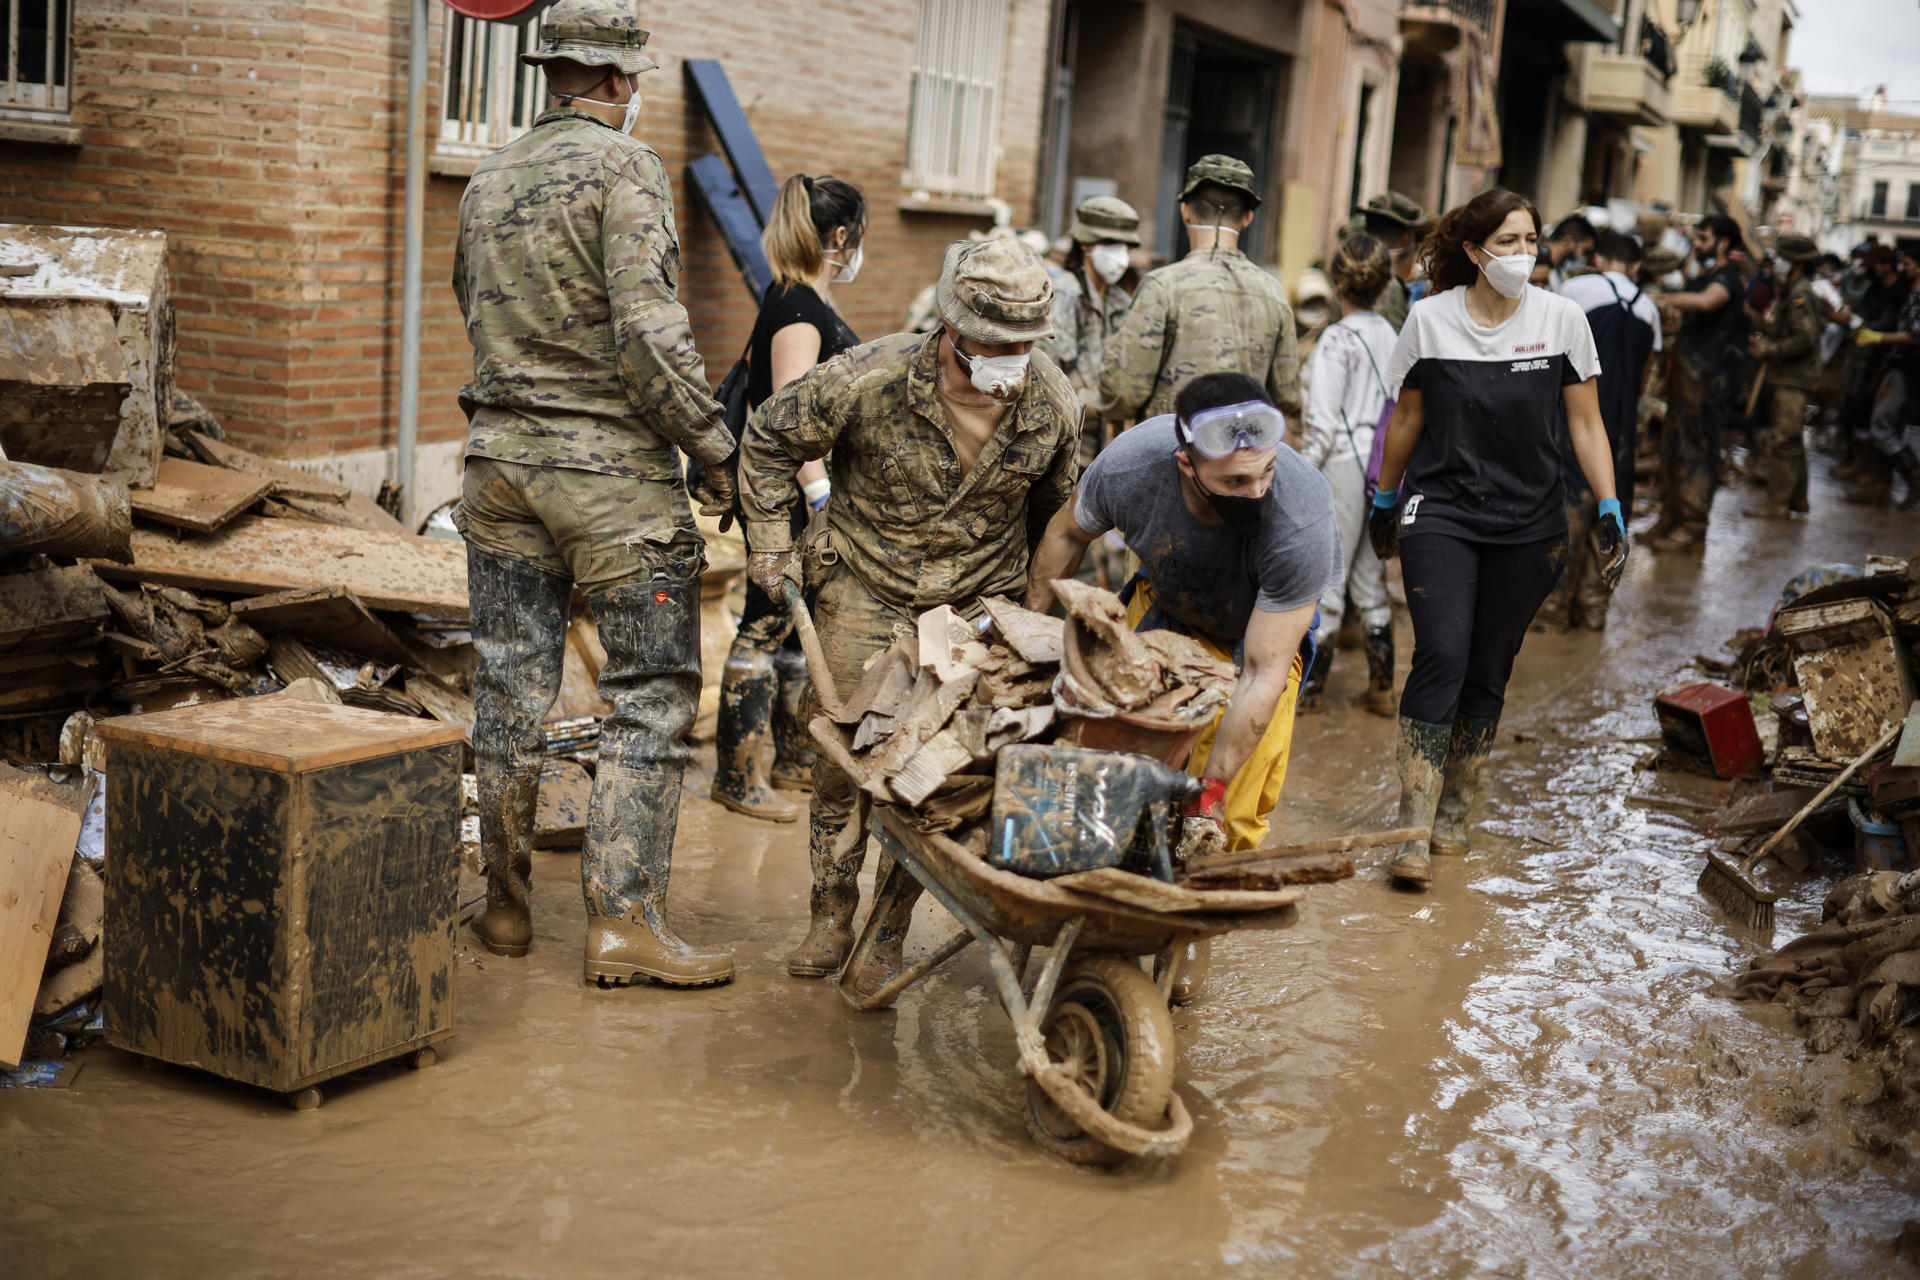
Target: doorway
[{"x": 1220, "y": 99}]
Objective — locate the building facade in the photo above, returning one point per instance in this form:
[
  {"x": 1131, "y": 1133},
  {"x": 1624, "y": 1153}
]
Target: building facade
[
  {"x": 1876, "y": 185},
  {"x": 269, "y": 142}
]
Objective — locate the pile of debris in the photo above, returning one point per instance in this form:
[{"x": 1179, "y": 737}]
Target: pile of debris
[
  {"x": 932, "y": 712},
  {"x": 1825, "y": 684}
]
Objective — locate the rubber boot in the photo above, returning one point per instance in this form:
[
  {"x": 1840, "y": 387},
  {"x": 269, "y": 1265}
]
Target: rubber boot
[
  {"x": 834, "y": 898},
  {"x": 1908, "y": 466},
  {"x": 792, "y": 744},
  {"x": 1876, "y": 489},
  {"x": 888, "y": 960},
  {"x": 1460, "y": 784},
  {"x": 1379, "y": 643},
  {"x": 1422, "y": 759},
  {"x": 1313, "y": 685},
  {"x": 520, "y": 633},
  {"x": 747, "y": 689},
  {"x": 651, "y": 631}
]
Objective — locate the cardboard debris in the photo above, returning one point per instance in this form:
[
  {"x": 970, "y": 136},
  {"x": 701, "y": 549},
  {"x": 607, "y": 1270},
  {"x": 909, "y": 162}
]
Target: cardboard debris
[
  {"x": 49, "y": 607},
  {"x": 190, "y": 495},
  {"x": 253, "y": 555},
  {"x": 1037, "y": 637},
  {"x": 38, "y": 830}
]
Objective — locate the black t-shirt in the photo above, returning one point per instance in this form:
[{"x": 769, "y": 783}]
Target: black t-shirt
[
  {"x": 1487, "y": 465},
  {"x": 781, "y": 306},
  {"x": 1710, "y": 336}
]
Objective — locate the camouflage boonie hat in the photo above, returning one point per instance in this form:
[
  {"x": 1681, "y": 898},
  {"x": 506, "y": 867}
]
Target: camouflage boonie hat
[
  {"x": 995, "y": 291},
  {"x": 1659, "y": 259},
  {"x": 1796, "y": 246},
  {"x": 1105, "y": 218},
  {"x": 1394, "y": 207},
  {"x": 593, "y": 33},
  {"x": 1224, "y": 170}
]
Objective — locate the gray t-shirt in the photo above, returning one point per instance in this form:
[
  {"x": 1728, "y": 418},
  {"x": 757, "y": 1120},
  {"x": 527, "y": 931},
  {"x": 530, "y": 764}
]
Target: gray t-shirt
[{"x": 1211, "y": 577}]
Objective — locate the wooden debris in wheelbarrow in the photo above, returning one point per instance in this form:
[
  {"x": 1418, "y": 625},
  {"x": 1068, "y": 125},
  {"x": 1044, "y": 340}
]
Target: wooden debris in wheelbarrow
[
  {"x": 1314, "y": 862},
  {"x": 1145, "y": 892},
  {"x": 1038, "y": 638}
]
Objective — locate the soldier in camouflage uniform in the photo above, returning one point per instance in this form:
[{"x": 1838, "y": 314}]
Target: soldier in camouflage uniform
[
  {"x": 1213, "y": 311},
  {"x": 585, "y": 379},
  {"x": 1790, "y": 345},
  {"x": 1087, "y": 306},
  {"x": 942, "y": 482},
  {"x": 1391, "y": 218}
]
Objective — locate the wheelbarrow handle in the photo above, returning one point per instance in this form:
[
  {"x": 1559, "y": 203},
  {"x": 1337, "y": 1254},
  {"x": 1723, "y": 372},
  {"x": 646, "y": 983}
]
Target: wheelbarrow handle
[{"x": 823, "y": 687}]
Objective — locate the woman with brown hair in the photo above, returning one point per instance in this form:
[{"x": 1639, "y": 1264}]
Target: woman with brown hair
[
  {"x": 1346, "y": 394},
  {"x": 1471, "y": 496},
  {"x": 812, "y": 242}
]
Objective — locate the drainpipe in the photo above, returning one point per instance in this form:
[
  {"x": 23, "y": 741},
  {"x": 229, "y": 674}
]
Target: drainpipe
[{"x": 416, "y": 191}]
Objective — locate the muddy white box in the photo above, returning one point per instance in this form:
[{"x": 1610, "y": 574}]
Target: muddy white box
[
  {"x": 281, "y": 887},
  {"x": 1853, "y": 673}
]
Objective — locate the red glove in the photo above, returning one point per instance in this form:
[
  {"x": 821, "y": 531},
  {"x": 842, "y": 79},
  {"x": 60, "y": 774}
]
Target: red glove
[{"x": 1211, "y": 801}]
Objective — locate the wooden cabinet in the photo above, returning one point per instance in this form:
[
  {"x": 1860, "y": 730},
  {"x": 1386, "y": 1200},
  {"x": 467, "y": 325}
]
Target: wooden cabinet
[{"x": 281, "y": 887}]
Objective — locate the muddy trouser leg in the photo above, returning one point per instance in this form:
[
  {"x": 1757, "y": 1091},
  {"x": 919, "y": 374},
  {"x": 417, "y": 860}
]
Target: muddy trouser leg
[
  {"x": 1471, "y": 603},
  {"x": 520, "y": 589},
  {"x": 793, "y": 752},
  {"x": 1690, "y": 452},
  {"x": 1787, "y": 450},
  {"x": 852, "y": 626}
]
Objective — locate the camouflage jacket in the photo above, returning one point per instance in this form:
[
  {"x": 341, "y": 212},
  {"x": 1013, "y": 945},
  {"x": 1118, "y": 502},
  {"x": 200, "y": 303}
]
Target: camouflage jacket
[
  {"x": 1082, "y": 327},
  {"x": 1212, "y": 311},
  {"x": 1393, "y": 302},
  {"x": 1790, "y": 343},
  {"x": 567, "y": 270},
  {"x": 903, "y": 517}
]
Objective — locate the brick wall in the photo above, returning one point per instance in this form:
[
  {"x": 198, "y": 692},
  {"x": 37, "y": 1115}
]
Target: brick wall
[{"x": 266, "y": 139}]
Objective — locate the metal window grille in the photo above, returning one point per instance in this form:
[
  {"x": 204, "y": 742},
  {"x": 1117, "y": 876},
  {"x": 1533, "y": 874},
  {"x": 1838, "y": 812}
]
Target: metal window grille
[
  {"x": 489, "y": 96},
  {"x": 38, "y": 57},
  {"x": 953, "y": 125}
]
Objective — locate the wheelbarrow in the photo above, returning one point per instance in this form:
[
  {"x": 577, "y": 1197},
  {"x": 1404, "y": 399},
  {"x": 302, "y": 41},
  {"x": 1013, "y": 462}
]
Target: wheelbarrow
[{"x": 1094, "y": 1034}]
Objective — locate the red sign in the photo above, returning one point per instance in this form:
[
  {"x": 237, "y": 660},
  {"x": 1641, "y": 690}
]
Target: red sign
[{"x": 497, "y": 10}]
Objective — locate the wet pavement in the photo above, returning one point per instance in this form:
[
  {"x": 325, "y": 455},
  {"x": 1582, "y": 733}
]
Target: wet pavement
[{"x": 1517, "y": 1074}]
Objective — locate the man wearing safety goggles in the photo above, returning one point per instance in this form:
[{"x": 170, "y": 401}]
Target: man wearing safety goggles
[{"x": 1237, "y": 544}]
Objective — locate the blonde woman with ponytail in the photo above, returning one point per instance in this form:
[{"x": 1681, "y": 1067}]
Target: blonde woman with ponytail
[{"x": 812, "y": 242}]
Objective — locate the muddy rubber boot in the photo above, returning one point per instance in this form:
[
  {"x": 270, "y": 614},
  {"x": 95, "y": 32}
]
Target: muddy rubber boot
[
  {"x": 520, "y": 634},
  {"x": 652, "y": 677},
  {"x": 1422, "y": 759},
  {"x": 792, "y": 744},
  {"x": 1313, "y": 685},
  {"x": 1905, "y": 463},
  {"x": 1460, "y": 784},
  {"x": 747, "y": 689},
  {"x": 831, "y": 902},
  {"x": 1380, "y": 699},
  {"x": 1196, "y": 959},
  {"x": 888, "y": 960}
]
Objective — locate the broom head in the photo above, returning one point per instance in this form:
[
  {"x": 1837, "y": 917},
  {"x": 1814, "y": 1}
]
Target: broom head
[{"x": 1733, "y": 890}]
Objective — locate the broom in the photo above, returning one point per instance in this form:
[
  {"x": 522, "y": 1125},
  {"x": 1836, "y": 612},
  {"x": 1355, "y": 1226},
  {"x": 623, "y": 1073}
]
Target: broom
[{"x": 1732, "y": 888}]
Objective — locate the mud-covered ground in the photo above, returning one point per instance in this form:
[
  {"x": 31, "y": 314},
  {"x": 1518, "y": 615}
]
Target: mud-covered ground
[{"x": 1518, "y": 1074}]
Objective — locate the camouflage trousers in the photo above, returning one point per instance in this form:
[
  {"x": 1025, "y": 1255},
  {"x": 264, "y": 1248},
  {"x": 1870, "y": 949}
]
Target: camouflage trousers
[
  {"x": 1786, "y": 449},
  {"x": 1690, "y": 449},
  {"x": 853, "y": 626}
]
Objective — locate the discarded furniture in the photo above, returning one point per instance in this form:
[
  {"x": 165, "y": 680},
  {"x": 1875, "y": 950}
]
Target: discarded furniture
[
  {"x": 1709, "y": 728},
  {"x": 1852, "y": 670},
  {"x": 63, "y": 290},
  {"x": 281, "y": 888}
]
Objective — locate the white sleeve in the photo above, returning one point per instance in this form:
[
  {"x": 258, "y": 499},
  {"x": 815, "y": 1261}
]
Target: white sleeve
[
  {"x": 1578, "y": 337},
  {"x": 1406, "y": 352}
]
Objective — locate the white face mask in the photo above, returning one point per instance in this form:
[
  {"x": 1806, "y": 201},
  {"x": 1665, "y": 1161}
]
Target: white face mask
[
  {"x": 1782, "y": 268},
  {"x": 1109, "y": 261},
  {"x": 1509, "y": 275},
  {"x": 851, "y": 267},
  {"x": 1002, "y": 377},
  {"x": 632, "y": 105},
  {"x": 1673, "y": 281}
]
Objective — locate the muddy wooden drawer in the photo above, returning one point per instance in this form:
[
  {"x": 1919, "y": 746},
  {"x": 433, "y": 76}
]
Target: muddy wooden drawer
[
  {"x": 281, "y": 888},
  {"x": 1852, "y": 670}
]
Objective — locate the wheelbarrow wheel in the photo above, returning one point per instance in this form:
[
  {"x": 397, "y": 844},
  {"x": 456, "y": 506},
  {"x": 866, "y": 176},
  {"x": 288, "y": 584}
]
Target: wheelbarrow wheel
[{"x": 1108, "y": 1028}]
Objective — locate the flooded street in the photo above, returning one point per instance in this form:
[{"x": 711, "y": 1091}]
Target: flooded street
[{"x": 1518, "y": 1074}]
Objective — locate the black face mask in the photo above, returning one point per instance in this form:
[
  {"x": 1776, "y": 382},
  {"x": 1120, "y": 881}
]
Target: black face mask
[{"x": 1241, "y": 513}]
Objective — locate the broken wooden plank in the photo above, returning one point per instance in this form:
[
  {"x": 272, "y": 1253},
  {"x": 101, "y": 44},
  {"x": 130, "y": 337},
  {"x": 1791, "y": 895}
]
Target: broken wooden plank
[
  {"x": 1276, "y": 872},
  {"x": 1769, "y": 811},
  {"x": 52, "y": 681},
  {"x": 442, "y": 701},
  {"x": 329, "y": 614},
  {"x": 1336, "y": 844},
  {"x": 286, "y": 480},
  {"x": 191, "y": 495},
  {"x": 254, "y": 554},
  {"x": 38, "y": 830},
  {"x": 50, "y": 607},
  {"x": 356, "y": 511},
  {"x": 1149, "y": 894}
]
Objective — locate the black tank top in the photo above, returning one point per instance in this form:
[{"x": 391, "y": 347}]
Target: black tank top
[{"x": 780, "y": 307}]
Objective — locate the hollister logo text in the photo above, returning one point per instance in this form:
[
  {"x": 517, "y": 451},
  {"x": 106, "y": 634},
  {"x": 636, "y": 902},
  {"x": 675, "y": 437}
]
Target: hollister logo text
[{"x": 1531, "y": 346}]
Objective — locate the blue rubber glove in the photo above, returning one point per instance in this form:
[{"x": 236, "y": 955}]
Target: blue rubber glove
[
  {"x": 1611, "y": 534},
  {"x": 1383, "y": 524}
]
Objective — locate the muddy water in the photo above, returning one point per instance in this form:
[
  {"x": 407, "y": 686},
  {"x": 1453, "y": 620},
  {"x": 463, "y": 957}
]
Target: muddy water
[{"x": 1518, "y": 1074}]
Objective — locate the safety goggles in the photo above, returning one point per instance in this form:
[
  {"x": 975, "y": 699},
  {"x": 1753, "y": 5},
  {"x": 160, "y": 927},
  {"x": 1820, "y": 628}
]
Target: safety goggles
[{"x": 1215, "y": 433}]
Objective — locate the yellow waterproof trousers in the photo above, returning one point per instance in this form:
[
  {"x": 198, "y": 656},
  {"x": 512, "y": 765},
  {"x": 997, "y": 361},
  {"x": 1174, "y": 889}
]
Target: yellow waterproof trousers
[{"x": 1255, "y": 790}]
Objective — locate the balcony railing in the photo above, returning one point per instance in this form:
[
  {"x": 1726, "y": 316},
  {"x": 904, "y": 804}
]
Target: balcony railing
[
  {"x": 1478, "y": 12},
  {"x": 1657, "y": 49},
  {"x": 1750, "y": 112}
]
